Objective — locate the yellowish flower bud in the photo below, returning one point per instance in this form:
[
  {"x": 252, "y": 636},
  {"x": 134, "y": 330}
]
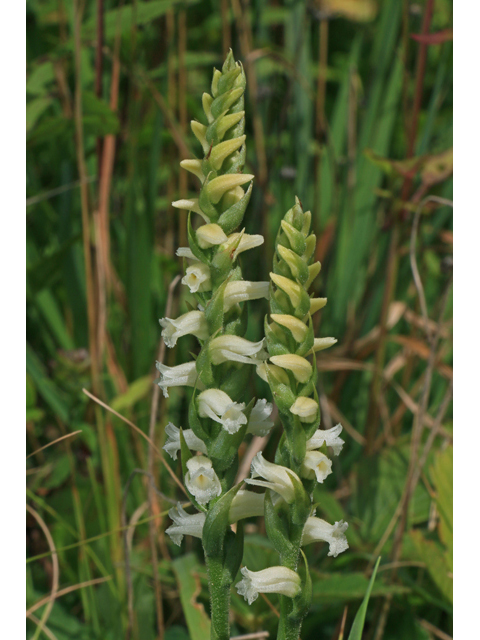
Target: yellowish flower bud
[
  {"x": 224, "y": 149},
  {"x": 209, "y": 235},
  {"x": 194, "y": 166},
  {"x": 206, "y": 102},
  {"x": 313, "y": 271},
  {"x": 311, "y": 243},
  {"x": 291, "y": 259},
  {"x": 292, "y": 289},
  {"x": 199, "y": 131},
  {"x": 190, "y": 205},
  {"x": 228, "y": 121},
  {"x": 276, "y": 372},
  {"x": 301, "y": 368},
  {"x": 305, "y": 408},
  {"x": 296, "y": 326},
  {"x": 319, "y": 344},
  {"x": 219, "y": 186},
  {"x": 316, "y": 304}
]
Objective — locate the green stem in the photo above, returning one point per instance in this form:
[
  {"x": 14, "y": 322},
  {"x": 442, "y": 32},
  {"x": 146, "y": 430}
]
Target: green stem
[
  {"x": 289, "y": 627},
  {"x": 219, "y": 599}
]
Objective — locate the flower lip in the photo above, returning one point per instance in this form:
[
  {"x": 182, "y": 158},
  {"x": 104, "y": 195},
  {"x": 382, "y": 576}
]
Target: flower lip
[
  {"x": 201, "y": 480},
  {"x": 316, "y": 464},
  {"x": 197, "y": 278}
]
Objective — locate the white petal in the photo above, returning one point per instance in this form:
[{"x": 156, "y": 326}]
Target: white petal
[
  {"x": 172, "y": 446},
  {"x": 330, "y": 437},
  {"x": 197, "y": 278},
  {"x": 247, "y": 504},
  {"x": 184, "y": 524},
  {"x": 316, "y": 464},
  {"x": 259, "y": 423},
  {"x": 243, "y": 290}
]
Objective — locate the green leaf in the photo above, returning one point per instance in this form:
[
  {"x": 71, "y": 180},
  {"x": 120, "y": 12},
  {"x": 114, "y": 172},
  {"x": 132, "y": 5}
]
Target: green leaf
[
  {"x": 433, "y": 554},
  {"x": 359, "y": 621},
  {"x": 52, "y": 396},
  {"x": 186, "y": 570},
  {"x": 442, "y": 475}
]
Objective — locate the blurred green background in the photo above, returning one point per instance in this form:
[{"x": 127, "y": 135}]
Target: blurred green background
[{"x": 349, "y": 106}]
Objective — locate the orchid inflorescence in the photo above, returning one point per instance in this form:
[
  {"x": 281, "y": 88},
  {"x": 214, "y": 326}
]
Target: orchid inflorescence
[{"x": 220, "y": 416}]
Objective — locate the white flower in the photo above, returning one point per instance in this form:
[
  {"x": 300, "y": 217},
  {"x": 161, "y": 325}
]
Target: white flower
[
  {"x": 246, "y": 504},
  {"x": 197, "y": 278},
  {"x": 316, "y": 464},
  {"x": 305, "y": 408},
  {"x": 276, "y": 372},
  {"x": 330, "y": 437},
  {"x": 225, "y": 348},
  {"x": 272, "y": 580},
  {"x": 258, "y": 423},
  {"x": 172, "y": 446},
  {"x": 193, "y": 322},
  {"x": 243, "y": 290},
  {"x": 184, "y": 524},
  {"x": 201, "y": 480},
  {"x": 217, "y": 405},
  {"x": 317, "y": 529},
  {"x": 182, "y": 375},
  {"x": 277, "y": 478}
]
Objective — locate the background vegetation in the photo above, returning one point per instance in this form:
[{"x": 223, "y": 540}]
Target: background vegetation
[{"x": 349, "y": 107}]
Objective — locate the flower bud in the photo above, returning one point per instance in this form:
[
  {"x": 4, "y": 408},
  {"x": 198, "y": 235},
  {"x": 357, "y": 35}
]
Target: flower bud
[
  {"x": 190, "y": 205},
  {"x": 297, "y": 328},
  {"x": 218, "y": 406},
  {"x": 209, "y": 235},
  {"x": 276, "y": 372},
  {"x": 247, "y": 242},
  {"x": 319, "y": 344},
  {"x": 199, "y": 131},
  {"x": 316, "y": 304},
  {"x": 301, "y": 368},
  {"x": 228, "y": 121},
  {"x": 201, "y": 480},
  {"x": 305, "y": 408},
  {"x": 207, "y": 100},
  {"x": 172, "y": 446},
  {"x": 186, "y": 252},
  {"x": 217, "y": 187},
  {"x": 193, "y": 166},
  {"x": 318, "y": 530},
  {"x": 193, "y": 323},
  {"x": 197, "y": 278},
  {"x": 184, "y": 524},
  {"x": 272, "y": 580},
  {"x": 313, "y": 271},
  {"x": 316, "y": 465},
  {"x": 233, "y": 348},
  {"x": 224, "y": 149},
  {"x": 292, "y": 289},
  {"x": 243, "y": 290}
]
